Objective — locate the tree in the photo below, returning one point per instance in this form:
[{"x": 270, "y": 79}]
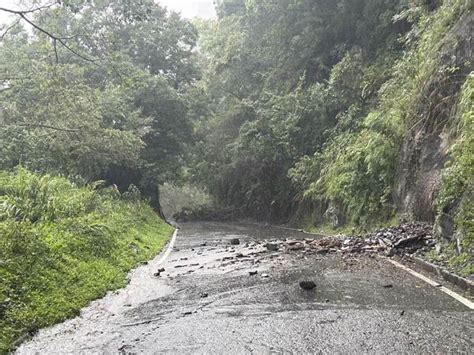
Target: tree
[
  {"x": 120, "y": 116},
  {"x": 283, "y": 79}
]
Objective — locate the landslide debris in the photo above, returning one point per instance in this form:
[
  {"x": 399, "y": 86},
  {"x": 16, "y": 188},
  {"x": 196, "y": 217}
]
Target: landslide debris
[{"x": 406, "y": 238}]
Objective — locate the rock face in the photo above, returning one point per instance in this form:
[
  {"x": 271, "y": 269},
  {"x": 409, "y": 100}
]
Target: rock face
[
  {"x": 425, "y": 148},
  {"x": 426, "y": 144},
  {"x": 335, "y": 214},
  {"x": 444, "y": 225},
  {"x": 419, "y": 177}
]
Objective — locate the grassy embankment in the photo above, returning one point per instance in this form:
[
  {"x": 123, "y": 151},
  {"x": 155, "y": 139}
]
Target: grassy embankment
[{"x": 62, "y": 246}]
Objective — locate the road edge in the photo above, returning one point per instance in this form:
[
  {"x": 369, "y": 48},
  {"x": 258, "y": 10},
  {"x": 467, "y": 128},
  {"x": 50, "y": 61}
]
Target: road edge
[
  {"x": 426, "y": 279},
  {"x": 169, "y": 249},
  {"x": 456, "y": 280}
]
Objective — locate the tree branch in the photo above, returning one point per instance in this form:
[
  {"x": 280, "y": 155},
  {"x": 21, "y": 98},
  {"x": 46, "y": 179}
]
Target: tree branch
[
  {"x": 9, "y": 28},
  {"x": 55, "y": 38},
  {"x": 18, "y": 12},
  {"x": 49, "y": 34},
  {"x": 56, "y": 56}
]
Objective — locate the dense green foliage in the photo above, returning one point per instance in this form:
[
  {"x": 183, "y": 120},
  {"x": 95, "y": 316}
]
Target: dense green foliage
[
  {"x": 97, "y": 90},
  {"x": 458, "y": 180},
  {"x": 310, "y": 101},
  {"x": 108, "y": 104},
  {"x": 358, "y": 166},
  {"x": 62, "y": 246},
  {"x": 287, "y": 79},
  {"x": 278, "y": 110}
]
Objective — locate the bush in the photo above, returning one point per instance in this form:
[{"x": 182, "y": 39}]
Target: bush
[
  {"x": 457, "y": 193},
  {"x": 62, "y": 246}
]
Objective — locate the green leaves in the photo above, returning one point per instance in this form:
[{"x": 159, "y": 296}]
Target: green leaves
[
  {"x": 291, "y": 79},
  {"x": 58, "y": 121},
  {"x": 456, "y": 196},
  {"x": 123, "y": 111},
  {"x": 53, "y": 236}
]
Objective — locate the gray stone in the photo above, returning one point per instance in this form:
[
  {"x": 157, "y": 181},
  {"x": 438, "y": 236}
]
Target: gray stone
[
  {"x": 307, "y": 285},
  {"x": 271, "y": 246}
]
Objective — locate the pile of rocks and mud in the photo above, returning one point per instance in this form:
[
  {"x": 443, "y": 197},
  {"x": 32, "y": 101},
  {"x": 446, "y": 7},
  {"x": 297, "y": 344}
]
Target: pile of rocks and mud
[{"x": 407, "y": 238}]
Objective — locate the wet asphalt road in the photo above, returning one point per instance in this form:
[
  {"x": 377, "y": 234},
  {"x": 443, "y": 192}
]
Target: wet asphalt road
[{"x": 206, "y": 302}]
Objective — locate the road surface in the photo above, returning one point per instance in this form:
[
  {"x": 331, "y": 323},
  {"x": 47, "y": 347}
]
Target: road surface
[{"x": 206, "y": 301}]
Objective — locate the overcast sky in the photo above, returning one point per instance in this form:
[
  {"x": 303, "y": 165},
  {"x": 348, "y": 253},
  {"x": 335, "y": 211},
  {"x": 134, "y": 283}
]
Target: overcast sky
[
  {"x": 191, "y": 8},
  {"x": 187, "y": 8}
]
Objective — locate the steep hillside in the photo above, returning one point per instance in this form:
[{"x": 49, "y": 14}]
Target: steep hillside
[
  {"x": 342, "y": 114},
  {"x": 394, "y": 163},
  {"x": 436, "y": 114}
]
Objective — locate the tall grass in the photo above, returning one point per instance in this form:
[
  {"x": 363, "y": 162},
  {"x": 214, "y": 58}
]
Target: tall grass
[{"x": 62, "y": 246}]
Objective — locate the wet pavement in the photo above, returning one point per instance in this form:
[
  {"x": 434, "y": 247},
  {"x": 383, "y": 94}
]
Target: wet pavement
[{"x": 214, "y": 297}]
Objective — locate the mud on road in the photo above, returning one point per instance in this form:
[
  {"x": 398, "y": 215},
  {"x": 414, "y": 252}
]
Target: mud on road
[{"x": 219, "y": 296}]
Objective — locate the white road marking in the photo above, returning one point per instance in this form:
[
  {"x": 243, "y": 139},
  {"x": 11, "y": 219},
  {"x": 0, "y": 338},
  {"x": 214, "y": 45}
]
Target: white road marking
[
  {"x": 170, "y": 247},
  {"x": 453, "y": 294}
]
